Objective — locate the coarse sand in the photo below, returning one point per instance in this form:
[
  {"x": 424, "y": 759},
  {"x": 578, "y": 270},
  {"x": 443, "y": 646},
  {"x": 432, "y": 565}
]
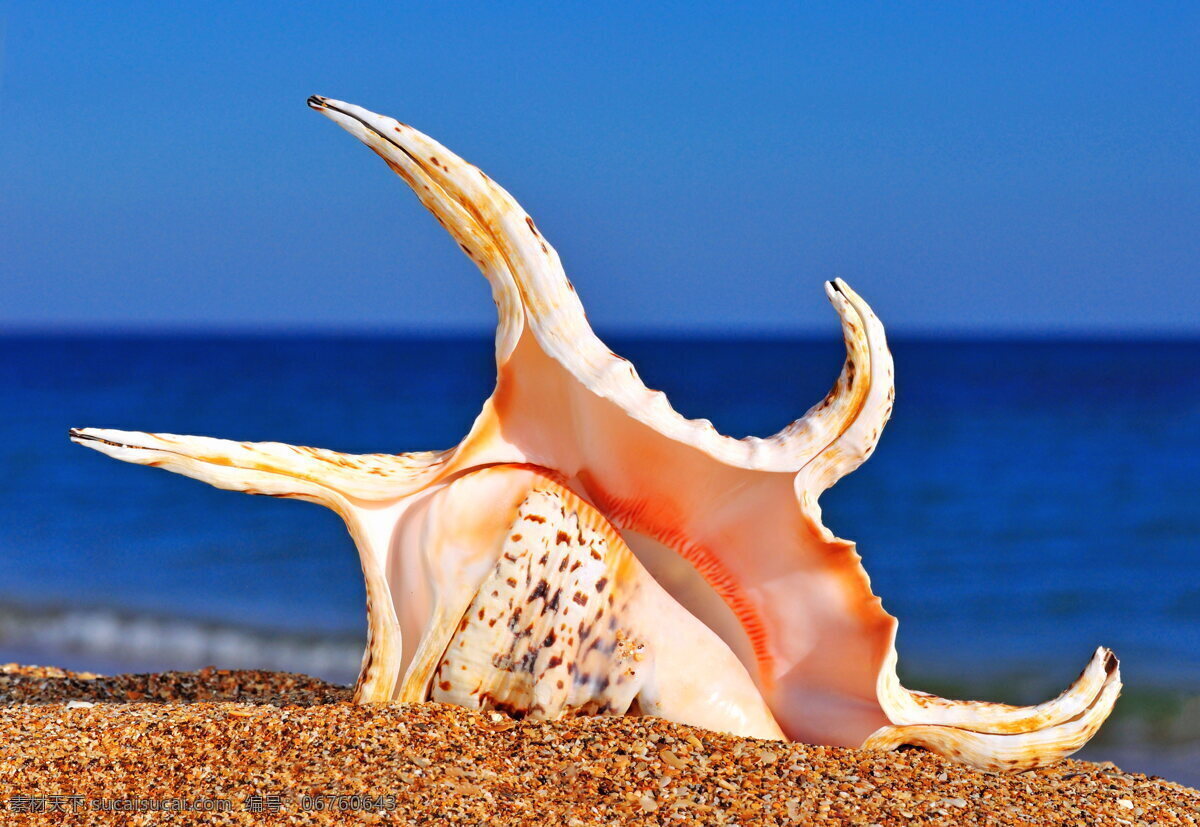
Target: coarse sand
[{"x": 249, "y": 747}]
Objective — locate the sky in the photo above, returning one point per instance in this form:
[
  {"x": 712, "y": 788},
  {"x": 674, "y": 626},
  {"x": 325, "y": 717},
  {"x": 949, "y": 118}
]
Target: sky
[{"x": 968, "y": 168}]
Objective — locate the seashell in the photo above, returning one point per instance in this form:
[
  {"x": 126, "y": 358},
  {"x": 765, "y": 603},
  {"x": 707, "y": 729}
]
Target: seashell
[{"x": 586, "y": 549}]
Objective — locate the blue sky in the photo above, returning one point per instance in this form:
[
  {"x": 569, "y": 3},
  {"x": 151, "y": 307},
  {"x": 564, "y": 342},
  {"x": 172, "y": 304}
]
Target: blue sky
[{"x": 1005, "y": 167}]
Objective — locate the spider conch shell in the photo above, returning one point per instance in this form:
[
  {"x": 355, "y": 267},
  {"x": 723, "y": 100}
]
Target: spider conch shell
[{"x": 586, "y": 548}]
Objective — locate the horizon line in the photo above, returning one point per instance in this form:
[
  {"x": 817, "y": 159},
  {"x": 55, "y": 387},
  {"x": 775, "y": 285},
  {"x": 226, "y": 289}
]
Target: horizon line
[{"x": 634, "y": 332}]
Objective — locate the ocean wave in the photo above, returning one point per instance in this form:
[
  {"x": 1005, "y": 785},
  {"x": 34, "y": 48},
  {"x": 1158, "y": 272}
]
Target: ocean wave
[
  {"x": 128, "y": 639},
  {"x": 113, "y": 640}
]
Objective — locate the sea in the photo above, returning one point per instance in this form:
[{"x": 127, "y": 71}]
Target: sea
[{"x": 1029, "y": 500}]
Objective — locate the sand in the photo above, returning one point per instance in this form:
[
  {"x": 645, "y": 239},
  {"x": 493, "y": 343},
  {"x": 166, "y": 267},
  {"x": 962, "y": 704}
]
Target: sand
[{"x": 247, "y": 747}]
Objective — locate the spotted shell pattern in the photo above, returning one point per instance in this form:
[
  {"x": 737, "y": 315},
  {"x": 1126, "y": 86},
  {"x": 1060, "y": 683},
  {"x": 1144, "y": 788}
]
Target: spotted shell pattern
[{"x": 544, "y": 633}]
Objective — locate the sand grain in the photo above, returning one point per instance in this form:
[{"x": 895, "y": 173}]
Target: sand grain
[{"x": 237, "y": 734}]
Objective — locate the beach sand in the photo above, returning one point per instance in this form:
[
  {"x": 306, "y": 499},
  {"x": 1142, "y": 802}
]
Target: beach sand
[{"x": 289, "y": 749}]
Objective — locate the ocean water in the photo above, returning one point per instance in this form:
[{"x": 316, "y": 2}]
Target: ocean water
[{"x": 1028, "y": 501}]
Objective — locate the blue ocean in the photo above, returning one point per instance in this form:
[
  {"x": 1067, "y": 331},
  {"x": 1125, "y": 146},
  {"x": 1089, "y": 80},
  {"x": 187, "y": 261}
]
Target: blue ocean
[{"x": 1029, "y": 501}]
